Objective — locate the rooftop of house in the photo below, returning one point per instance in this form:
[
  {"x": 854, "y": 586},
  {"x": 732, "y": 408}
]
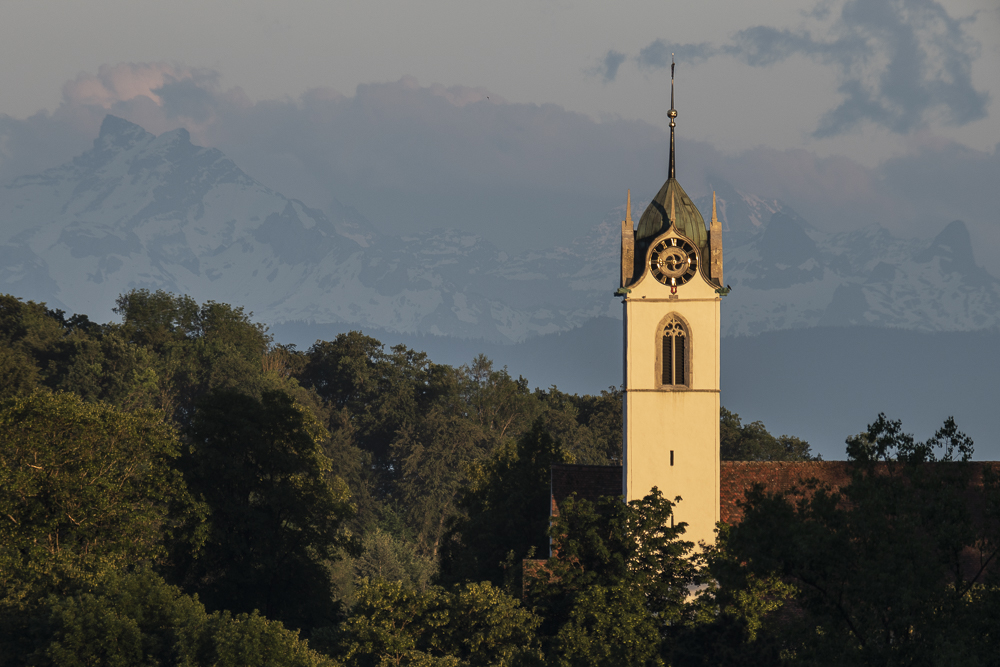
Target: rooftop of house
[{"x": 735, "y": 479}]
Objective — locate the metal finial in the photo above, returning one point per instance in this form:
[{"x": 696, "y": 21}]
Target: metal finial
[{"x": 672, "y": 114}]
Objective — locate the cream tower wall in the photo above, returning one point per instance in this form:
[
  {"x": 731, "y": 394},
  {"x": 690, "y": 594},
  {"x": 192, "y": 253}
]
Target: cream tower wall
[{"x": 660, "y": 419}]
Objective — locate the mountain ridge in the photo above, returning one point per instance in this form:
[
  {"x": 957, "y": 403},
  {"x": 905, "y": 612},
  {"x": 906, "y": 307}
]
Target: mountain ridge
[{"x": 157, "y": 212}]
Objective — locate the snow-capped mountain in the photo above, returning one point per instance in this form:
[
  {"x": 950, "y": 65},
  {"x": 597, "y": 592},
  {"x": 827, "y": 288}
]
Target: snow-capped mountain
[
  {"x": 139, "y": 211},
  {"x": 158, "y": 212},
  {"x": 793, "y": 276}
]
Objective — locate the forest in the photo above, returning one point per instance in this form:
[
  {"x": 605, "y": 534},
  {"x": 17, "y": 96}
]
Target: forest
[{"x": 177, "y": 488}]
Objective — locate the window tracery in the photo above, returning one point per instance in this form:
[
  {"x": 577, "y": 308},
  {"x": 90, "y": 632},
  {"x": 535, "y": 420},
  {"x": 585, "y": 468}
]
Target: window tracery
[{"x": 674, "y": 354}]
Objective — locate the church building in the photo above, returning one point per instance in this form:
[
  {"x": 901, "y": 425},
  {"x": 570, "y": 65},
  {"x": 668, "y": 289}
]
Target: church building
[
  {"x": 671, "y": 285},
  {"x": 671, "y": 288}
]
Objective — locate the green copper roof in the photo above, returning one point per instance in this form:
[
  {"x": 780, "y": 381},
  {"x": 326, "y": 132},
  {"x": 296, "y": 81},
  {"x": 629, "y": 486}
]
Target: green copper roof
[{"x": 656, "y": 218}]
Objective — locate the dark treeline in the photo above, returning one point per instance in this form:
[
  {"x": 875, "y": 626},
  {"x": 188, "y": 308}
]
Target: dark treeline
[{"x": 177, "y": 489}]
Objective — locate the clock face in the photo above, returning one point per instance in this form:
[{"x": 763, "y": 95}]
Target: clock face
[{"x": 673, "y": 261}]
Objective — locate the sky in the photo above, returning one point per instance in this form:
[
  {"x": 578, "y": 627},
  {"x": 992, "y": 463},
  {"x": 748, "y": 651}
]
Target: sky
[{"x": 525, "y": 121}]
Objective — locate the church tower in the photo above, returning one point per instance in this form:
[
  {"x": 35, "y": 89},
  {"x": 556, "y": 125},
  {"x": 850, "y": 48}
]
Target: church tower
[{"x": 671, "y": 284}]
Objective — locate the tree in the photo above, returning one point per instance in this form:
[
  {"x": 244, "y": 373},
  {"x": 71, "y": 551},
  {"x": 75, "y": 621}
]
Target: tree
[
  {"x": 608, "y": 627},
  {"x": 489, "y": 627},
  {"x": 617, "y": 582},
  {"x": 157, "y": 319},
  {"x": 889, "y": 568},
  {"x": 502, "y": 406},
  {"x": 275, "y": 516},
  {"x": 506, "y": 511},
  {"x": 471, "y": 624},
  {"x": 752, "y": 442},
  {"x": 561, "y": 419},
  {"x": 197, "y": 348},
  {"x": 603, "y": 415},
  {"x": 434, "y": 456},
  {"x": 104, "y": 367},
  {"x": 83, "y": 487},
  {"x": 737, "y": 624},
  {"x": 41, "y": 347},
  {"x": 32, "y": 339},
  {"x": 386, "y": 557},
  {"x": 137, "y": 619},
  {"x": 18, "y": 372},
  {"x": 377, "y": 391},
  {"x": 613, "y": 543}
]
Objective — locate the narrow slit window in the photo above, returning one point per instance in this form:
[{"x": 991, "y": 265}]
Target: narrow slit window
[
  {"x": 671, "y": 457},
  {"x": 674, "y": 354}
]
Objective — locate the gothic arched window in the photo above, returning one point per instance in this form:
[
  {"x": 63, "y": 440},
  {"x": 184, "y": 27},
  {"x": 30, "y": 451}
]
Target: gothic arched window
[{"x": 675, "y": 353}]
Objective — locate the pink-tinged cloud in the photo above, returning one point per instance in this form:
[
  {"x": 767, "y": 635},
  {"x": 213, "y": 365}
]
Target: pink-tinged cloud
[
  {"x": 151, "y": 94},
  {"x": 124, "y": 82}
]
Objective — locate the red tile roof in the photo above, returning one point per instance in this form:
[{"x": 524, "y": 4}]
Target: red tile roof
[{"x": 736, "y": 478}]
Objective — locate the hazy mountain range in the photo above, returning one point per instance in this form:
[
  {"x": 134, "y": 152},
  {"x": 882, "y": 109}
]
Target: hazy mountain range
[
  {"x": 158, "y": 212},
  {"x": 139, "y": 211}
]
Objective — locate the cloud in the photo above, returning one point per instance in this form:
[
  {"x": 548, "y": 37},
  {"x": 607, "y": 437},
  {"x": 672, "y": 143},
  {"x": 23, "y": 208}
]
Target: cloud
[
  {"x": 158, "y": 96},
  {"x": 127, "y": 81},
  {"x": 608, "y": 68},
  {"x": 899, "y": 62},
  {"x": 457, "y": 96},
  {"x": 185, "y": 98}
]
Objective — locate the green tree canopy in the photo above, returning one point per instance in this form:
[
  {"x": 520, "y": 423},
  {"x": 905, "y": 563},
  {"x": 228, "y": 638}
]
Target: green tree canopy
[
  {"x": 618, "y": 582},
  {"x": 196, "y": 348},
  {"x": 612, "y": 543},
  {"x": 506, "y": 511},
  {"x": 378, "y": 391},
  {"x": 275, "y": 515},
  {"x": 889, "y": 569},
  {"x": 138, "y": 620},
  {"x": 435, "y": 455},
  {"x": 42, "y": 347},
  {"x": 608, "y": 626},
  {"x": 472, "y": 624},
  {"x": 83, "y": 486},
  {"x": 503, "y": 407},
  {"x": 752, "y": 442}
]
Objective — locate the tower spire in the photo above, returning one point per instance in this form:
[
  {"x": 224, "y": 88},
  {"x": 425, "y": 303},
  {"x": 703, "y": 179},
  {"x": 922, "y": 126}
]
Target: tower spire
[{"x": 672, "y": 114}]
